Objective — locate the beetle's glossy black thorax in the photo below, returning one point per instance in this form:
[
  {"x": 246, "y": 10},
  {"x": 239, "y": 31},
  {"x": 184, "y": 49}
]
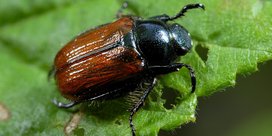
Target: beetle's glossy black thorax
[{"x": 154, "y": 41}]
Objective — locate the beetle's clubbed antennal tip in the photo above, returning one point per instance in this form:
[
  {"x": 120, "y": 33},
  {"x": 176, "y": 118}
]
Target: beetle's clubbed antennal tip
[{"x": 201, "y": 6}]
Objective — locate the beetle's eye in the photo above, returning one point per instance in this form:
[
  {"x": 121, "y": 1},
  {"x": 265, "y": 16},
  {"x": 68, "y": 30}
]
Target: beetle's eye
[{"x": 181, "y": 39}]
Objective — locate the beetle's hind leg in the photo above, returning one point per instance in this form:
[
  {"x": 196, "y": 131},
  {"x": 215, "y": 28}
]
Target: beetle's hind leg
[
  {"x": 146, "y": 86},
  {"x": 119, "y": 13},
  {"x": 64, "y": 105}
]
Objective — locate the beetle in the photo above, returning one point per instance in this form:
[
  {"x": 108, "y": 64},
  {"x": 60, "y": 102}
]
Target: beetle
[{"x": 122, "y": 58}]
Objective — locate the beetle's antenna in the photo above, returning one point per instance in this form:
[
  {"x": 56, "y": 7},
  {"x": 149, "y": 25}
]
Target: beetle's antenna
[
  {"x": 185, "y": 9},
  {"x": 119, "y": 13}
]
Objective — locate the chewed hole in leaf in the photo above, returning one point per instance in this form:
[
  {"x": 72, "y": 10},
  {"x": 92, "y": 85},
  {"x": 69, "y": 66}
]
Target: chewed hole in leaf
[
  {"x": 79, "y": 132},
  {"x": 202, "y": 52},
  {"x": 170, "y": 95},
  {"x": 118, "y": 122}
]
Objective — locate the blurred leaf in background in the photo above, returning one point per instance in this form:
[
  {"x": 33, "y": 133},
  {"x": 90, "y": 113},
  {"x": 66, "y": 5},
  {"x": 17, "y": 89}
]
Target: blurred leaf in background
[{"x": 230, "y": 38}]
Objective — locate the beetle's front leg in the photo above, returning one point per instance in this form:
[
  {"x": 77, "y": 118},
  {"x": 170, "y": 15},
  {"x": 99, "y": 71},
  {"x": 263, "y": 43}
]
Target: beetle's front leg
[{"x": 157, "y": 70}]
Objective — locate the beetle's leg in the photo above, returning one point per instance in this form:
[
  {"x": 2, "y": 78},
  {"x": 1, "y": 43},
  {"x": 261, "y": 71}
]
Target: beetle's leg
[
  {"x": 172, "y": 68},
  {"x": 166, "y": 18},
  {"x": 73, "y": 103},
  {"x": 157, "y": 70},
  {"x": 64, "y": 105},
  {"x": 119, "y": 13},
  {"x": 192, "y": 75},
  {"x": 139, "y": 104},
  {"x": 51, "y": 73}
]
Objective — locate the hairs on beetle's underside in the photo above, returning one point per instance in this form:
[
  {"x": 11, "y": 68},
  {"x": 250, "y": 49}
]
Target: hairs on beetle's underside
[
  {"x": 95, "y": 103},
  {"x": 134, "y": 96}
]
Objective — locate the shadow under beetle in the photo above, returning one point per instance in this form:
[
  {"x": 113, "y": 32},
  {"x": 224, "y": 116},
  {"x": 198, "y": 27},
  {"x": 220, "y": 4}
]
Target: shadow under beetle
[{"x": 122, "y": 58}]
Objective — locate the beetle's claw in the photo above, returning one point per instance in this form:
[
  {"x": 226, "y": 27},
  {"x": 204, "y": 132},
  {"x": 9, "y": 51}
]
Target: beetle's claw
[
  {"x": 56, "y": 102},
  {"x": 64, "y": 105}
]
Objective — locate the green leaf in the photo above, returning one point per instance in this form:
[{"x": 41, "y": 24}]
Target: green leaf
[
  {"x": 16, "y": 10},
  {"x": 236, "y": 33}
]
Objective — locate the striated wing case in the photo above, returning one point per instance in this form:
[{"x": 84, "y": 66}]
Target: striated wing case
[{"x": 97, "y": 58}]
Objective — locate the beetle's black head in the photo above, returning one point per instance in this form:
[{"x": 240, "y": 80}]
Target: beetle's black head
[{"x": 181, "y": 39}]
